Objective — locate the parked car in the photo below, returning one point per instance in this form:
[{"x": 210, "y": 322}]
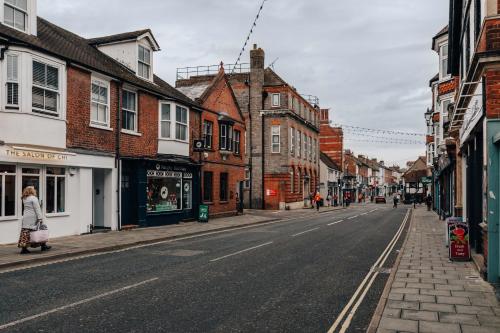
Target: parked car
[{"x": 380, "y": 199}]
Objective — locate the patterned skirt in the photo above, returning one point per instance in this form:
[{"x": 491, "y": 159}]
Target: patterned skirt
[{"x": 24, "y": 239}]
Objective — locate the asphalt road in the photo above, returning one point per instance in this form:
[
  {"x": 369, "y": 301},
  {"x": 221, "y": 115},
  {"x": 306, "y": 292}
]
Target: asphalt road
[{"x": 289, "y": 276}]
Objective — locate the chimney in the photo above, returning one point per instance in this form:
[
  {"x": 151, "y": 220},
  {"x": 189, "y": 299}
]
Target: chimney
[
  {"x": 382, "y": 163},
  {"x": 324, "y": 116}
]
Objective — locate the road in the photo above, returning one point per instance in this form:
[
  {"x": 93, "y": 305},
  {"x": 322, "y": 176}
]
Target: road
[{"x": 289, "y": 276}]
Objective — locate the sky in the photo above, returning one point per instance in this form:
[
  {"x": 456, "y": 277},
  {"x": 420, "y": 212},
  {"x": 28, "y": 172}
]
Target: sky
[{"x": 369, "y": 61}]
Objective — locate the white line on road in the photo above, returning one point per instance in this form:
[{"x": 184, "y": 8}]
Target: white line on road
[
  {"x": 242, "y": 251},
  {"x": 352, "y": 217},
  {"x": 366, "y": 283},
  {"x": 334, "y": 223},
  {"x": 72, "y": 305},
  {"x": 304, "y": 232}
]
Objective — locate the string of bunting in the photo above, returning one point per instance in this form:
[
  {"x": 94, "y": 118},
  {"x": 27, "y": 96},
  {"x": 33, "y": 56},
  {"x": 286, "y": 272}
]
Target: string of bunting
[{"x": 380, "y": 131}]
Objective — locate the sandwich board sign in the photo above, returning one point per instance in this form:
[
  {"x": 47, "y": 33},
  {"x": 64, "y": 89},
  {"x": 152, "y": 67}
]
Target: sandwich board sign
[{"x": 458, "y": 239}]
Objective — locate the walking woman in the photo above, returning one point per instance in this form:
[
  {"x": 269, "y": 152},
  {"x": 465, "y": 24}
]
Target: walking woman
[{"x": 32, "y": 216}]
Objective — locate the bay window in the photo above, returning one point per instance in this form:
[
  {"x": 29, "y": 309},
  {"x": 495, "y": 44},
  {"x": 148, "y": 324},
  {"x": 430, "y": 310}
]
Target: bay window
[
  {"x": 12, "y": 81},
  {"x": 45, "y": 89},
  {"x": 129, "y": 111},
  {"x": 275, "y": 139},
  {"x": 165, "y": 121},
  {"x": 7, "y": 190},
  {"x": 99, "y": 114},
  {"x": 181, "y": 123},
  {"x": 208, "y": 128},
  {"x": 16, "y": 13},
  {"x": 55, "y": 190},
  {"x": 144, "y": 64}
]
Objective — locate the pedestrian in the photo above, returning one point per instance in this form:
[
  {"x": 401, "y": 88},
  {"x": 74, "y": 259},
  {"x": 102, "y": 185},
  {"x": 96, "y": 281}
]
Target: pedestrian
[
  {"x": 335, "y": 200},
  {"x": 329, "y": 199},
  {"x": 428, "y": 201},
  {"x": 317, "y": 200},
  {"x": 395, "y": 201},
  {"x": 32, "y": 219}
]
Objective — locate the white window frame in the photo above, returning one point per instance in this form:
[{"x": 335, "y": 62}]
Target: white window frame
[
  {"x": 273, "y": 135},
  {"x": 60, "y": 83},
  {"x": 208, "y": 131},
  {"x": 306, "y": 153},
  {"x": 165, "y": 121},
  {"x": 101, "y": 84},
  {"x": 237, "y": 141},
  {"x": 143, "y": 62},
  {"x": 299, "y": 144},
  {"x": 442, "y": 59},
  {"x": 276, "y": 103},
  {"x": 2, "y": 195},
  {"x": 292, "y": 141},
  {"x": 45, "y": 178},
  {"x": 25, "y": 12},
  {"x": 248, "y": 176},
  {"x": 135, "y": 130},
  {"x": 182, "y": 124},
  {"x": 13, "y": 81}
]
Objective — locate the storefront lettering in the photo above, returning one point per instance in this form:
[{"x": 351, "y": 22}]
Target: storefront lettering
[
  {"x": 39, "y": 155},
  {"x": 164, "y": 174}
]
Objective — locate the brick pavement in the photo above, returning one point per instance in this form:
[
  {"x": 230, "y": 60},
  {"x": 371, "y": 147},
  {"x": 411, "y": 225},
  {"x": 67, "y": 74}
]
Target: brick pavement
[{"x": 431, "y": 294}]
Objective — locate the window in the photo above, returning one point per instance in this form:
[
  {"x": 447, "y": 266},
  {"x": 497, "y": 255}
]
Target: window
[
  {"x": 314, "y": 150},
  {"x": 208, "y": 178},
  {"x": 292, "y": 181},
  {"x": 45, "y": 89},
  {"x": 55, "y": 190},
  {"x": 224, "y": 182},
  {"x": 187, "y": 194},
  {"x": 129, "y": 111},
  {"x": 12, "y": 80},
  {"x": 306, "y": 146},
  {"x": 99, "y": 110},
  {"x": 15, "y": 13},
  {"x": 208, "y": 128},
  {"x": 446, "y": 104},
  {"x": 292, "y": 141},
  {"x": 7, "y": 190},
  {"x": 237, "y": 138},
  {"x": 299, "y": 144},
  {"x": 276, "y": 100},
  {"x": 144, "y": 65},
  {"x": 165, "y": 123},
  {"x": 181, "y": 123},
  {"x": 164, "y": 191},
  {"x": 275, "y": 139},
  {"x": 444, "y": 61},
  {"x": 225, "y": 137},
  {"x": 310, "y": 149},
  {"x": 247, "y": 178}
]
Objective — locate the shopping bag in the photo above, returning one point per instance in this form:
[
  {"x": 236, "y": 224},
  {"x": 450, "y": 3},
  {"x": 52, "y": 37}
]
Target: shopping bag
[{"x": 41, "y": 235}]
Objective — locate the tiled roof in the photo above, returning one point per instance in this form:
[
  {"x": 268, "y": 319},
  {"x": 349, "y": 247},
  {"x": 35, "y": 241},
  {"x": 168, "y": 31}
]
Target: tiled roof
[
  {"x": 118, "y": 37},
  {"x": 328, "y": 161},
  {"x": 442, "y": 32},
  {"x": 66, "y": 45}
]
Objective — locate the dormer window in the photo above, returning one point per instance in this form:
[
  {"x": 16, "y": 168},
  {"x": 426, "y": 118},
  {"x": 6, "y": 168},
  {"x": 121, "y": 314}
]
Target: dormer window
[
  {"x": 444, "y": 60},
  {"x": 16, "y": 13},
  {"x": 144, "y": 65}
]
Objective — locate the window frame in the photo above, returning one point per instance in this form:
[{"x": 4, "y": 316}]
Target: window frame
[
  {"x": 237, "y": 142},
  {"x": 15, "y": 8},
  {"x": 58, "y": 91},
  {"x": 101, "y": 84},
  {"x": 211, "y": 187},
  {"x": 162, "y": 121},
  {"x": 299, "y": 144},
  {"x": 278, "y": 103},
  {"x": 443, "y": 59},
  {"x": 45, "y": 178},
  {"x": 306, "y": 153},
  {"x": 180, "y": 124},
  {"x": 226, "y": 188},
  {"x": 292, "y": 141},
  {"x": 3, "y": 176},
  {"x": 208, "y": 132},
  {"x": 143, "y": 62},
  {"x": 273, "y": 135},
  {"x": 135, "y": 112},
  {"x": 13, "y": 81}
]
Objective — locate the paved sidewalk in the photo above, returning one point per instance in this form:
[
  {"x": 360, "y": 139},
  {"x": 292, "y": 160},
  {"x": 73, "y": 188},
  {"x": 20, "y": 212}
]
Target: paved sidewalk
[
  {"x": 431, "y": 294},
  {"x": 101, "y": 242}
]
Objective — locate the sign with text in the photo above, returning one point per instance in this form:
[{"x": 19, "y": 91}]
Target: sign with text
[
  {"x": 203, "y": 214},
  {"x": 272, "y": 193},
  {"x": 37, "y": 154},
  {"x": 458, "y": 235}
]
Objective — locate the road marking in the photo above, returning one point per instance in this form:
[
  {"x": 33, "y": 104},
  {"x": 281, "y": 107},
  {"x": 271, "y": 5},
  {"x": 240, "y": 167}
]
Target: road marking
[
  {"x": 242, "y": 251},
  {"x": 366, "y": 283},
  {"x": 364, "y": 214},
  {"x": 208, "y": 233},
  {"x": 334, "y": 223},
  {"x": 72, "y": 305},
  {"x": 304, "y": 232},
  {"x": 352, "y": 217}
]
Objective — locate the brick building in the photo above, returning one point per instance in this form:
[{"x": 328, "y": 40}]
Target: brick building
[
  {"x": 331, "y": 139},
  {"x": 223, "y": 131}
]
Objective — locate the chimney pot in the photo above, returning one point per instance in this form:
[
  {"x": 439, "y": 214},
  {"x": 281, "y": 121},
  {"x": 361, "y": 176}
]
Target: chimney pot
[{"x": 255, "y": 46}]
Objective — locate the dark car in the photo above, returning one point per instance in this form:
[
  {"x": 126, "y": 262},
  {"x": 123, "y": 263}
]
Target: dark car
[{"x": 380, "y": 199}]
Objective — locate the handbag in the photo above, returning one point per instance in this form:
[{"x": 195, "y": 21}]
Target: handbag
[{"x": 40, "y": 235}]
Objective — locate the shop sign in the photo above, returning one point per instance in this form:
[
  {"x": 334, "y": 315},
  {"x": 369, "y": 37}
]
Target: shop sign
[
  {"x": 164, "y": 174},
  {"x": 458, "y": 235},
  {"x": 426, "y": 180},
  {"x": 203, "y": 213},
  {"x": 272, "y": 193},
  {"x": 37, "y": 154}
]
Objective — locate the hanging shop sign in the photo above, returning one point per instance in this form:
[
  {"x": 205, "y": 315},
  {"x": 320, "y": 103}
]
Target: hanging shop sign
[{"x": 458, "y": 235}]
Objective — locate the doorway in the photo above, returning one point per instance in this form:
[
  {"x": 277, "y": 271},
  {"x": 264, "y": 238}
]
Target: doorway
[{"x": 98, "y": 200}]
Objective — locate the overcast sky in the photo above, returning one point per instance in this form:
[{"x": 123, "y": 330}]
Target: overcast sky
[{"x": 368, "y": 60}]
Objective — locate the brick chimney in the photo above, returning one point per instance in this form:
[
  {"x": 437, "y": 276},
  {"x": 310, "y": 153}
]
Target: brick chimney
[{"x": 324, "y": 115}]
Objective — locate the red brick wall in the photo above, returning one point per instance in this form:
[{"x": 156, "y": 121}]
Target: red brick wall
[
  {"x": 448, "y": 86},
  {"x": 79, "y": 133},
  {"x": 236, "y": 174},
  {"x": 331, "y": 142},
  {"x": 493, "y": 94},
  {"x": 145, "y": 145}
]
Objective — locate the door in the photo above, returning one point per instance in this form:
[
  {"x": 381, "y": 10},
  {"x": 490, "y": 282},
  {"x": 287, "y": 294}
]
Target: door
[
  {"x": 31, "y": 176},
  {"x": 99, "y": 199}
]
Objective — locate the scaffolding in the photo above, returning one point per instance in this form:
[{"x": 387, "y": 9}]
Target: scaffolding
[
  {"x": 185, "y": 73},
  {"x": 313, "y": 100}
]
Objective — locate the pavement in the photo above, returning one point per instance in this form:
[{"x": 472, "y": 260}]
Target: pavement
[
  {"x": 429, "y": 293},
  {"x": 64, "y": 247},
  {"x": 298, "y": 274}
]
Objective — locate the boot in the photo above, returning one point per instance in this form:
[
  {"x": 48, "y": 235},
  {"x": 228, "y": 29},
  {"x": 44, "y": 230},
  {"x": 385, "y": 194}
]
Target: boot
[
  {"x": 45, "y": 247},
  {"x": 25, "y": 251}
]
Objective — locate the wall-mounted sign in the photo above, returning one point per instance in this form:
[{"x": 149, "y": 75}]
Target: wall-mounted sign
[
  {"x": 37, "y": 154},
  {"x": 199, "y": 145},
  {"x": 458, "y": 235},
  {"x": 164, "y": 174},
  {"x": 271, "y": 193}
]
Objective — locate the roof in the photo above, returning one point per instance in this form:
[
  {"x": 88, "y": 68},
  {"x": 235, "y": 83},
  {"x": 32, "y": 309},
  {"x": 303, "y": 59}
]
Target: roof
[
  {"x": 196, "y": 90},
  {"x": 435, "y": 78},
  {"x": 441, "y": 33},
  {"x": 68, "y": 46},
  {"x": 328, "y": 161},
  {"x": 132, "y": 35}
]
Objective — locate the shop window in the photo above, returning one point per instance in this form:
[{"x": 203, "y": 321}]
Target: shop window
[
  {"x": 181, "y": 119},
  {"x": 7, "y": 190},
  {"x": 164, "y": 192},
  {"x": 187, "y": 194},
  {"x": 208, "y": 128},
  {"x": 165, "y": 121},
  {"x": 224, "y": 185},
  {"x": 31, "y": 177},
  {"x": 55, "y": 190},
  {"x": 208, "y": 178}
]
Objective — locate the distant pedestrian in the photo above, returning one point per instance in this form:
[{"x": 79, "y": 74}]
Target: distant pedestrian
[
  {"x": 335, "y": 200},
  {"x": 32, "y": 219},
  {"x": 311, "y": 200},
  {"x": 428, "y": 201},
  {"x": 329, "y": 199},
  {"x": 317, "y": 200},
  {"x": 395, "y": 200}
]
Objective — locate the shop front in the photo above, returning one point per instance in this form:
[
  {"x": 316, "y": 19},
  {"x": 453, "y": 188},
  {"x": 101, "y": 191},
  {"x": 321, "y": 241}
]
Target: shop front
[
  {"x": 159, "y": 191},
  {"x": 64, "y": 184}
]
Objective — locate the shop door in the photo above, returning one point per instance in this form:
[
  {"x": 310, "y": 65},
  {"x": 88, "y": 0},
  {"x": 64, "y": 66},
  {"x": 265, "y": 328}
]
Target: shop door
[{"x": 98, "y": 186}]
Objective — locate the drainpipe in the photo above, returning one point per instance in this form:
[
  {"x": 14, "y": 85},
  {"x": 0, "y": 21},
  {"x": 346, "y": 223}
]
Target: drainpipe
[
  {"x": 250, "y": 144},
  {"x": 118, "y": 163},
  {"x": 263, "y": 150}
]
